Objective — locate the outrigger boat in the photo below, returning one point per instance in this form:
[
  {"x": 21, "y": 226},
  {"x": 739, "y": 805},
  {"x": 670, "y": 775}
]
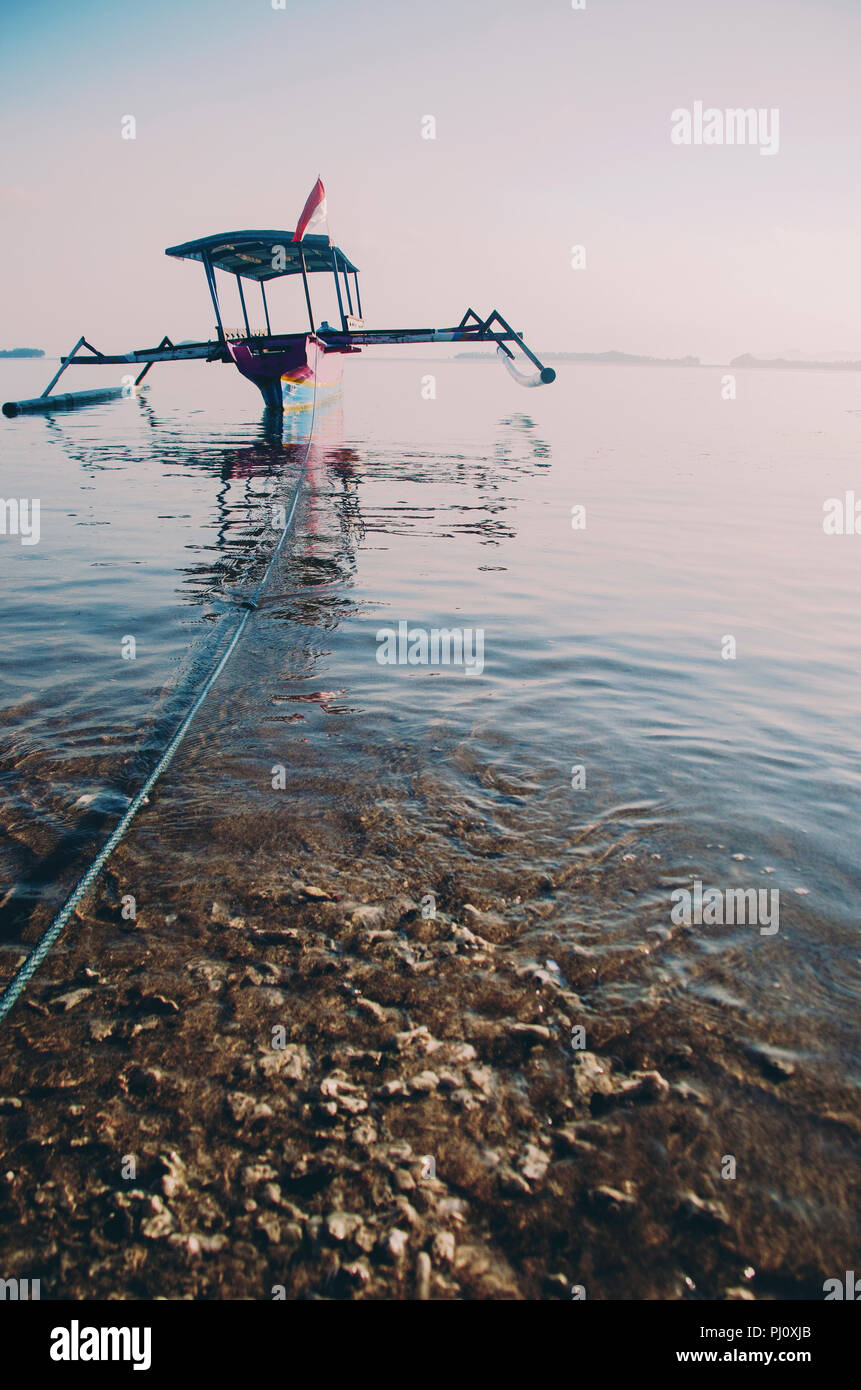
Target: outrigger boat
[{"x": 289, "y": 369}]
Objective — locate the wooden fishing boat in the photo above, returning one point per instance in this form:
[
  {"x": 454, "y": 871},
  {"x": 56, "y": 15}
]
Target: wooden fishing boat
[{"x": 290, "y": 369}]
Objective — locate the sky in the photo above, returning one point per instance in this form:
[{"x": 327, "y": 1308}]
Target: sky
[{"x": 553, "y": 130}]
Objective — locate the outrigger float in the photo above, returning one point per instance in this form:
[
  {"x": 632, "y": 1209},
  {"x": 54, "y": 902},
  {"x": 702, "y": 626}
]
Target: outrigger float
[{"x": 289, "y": 369}]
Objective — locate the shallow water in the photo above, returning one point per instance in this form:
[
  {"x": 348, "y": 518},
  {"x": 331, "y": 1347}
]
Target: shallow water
[{"x": 602, "y": 646}]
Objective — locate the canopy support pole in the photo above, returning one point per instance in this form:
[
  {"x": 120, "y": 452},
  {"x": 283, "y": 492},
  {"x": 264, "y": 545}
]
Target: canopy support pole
[
  {"x": 265, "y": 308},
  {"x": 347, "y": 287},
  {"x": 244, "y": 310},
  {"x": 338, "y": 290},
  {"x": 210, "y": 280},
  {"x": 358, "y": 296},
  {"x": 307, "y": 295}
]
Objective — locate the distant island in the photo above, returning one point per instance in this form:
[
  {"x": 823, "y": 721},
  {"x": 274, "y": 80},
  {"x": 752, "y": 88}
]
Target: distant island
[
  {"x": 793, "y": 362},
  {"x": 22, "y": 352}
]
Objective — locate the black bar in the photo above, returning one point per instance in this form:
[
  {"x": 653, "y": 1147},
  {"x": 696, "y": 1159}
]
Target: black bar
[{"x": 209, "y": 1337}]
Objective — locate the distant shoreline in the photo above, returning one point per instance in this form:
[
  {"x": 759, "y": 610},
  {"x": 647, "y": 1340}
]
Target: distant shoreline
[
  {"x": 22, "y": 352},
  {"x": 787, "y": 364},
  {"x": 629, "y": 359}
]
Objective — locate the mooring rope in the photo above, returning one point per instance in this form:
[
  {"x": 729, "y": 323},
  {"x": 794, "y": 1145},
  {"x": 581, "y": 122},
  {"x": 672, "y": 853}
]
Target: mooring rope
[{"x": 28, "y": 968}]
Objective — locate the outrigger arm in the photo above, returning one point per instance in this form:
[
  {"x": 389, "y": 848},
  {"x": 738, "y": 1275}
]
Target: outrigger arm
[
  {"x": 471, "y": 329},
  {"x": 165, "y": 352}
]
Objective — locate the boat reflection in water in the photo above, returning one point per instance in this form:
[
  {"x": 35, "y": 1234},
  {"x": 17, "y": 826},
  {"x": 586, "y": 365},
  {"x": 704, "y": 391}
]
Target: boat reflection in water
[{"x": 301, "y": 451}]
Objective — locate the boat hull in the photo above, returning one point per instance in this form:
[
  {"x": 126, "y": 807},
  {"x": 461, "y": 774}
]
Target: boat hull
[{"x": 291, "y": 373}]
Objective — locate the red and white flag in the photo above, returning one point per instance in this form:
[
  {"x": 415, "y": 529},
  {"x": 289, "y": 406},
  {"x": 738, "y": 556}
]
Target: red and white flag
[{"x": 314, "y": 217}]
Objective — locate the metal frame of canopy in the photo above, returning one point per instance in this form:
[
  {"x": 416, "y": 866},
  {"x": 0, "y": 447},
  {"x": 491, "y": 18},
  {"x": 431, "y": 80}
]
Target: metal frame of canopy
[{"x": 271, "y": 255}]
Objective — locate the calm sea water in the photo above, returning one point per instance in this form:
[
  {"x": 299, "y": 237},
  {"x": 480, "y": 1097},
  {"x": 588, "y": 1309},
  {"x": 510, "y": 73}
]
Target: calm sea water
[{"x": 602, "y": 645}]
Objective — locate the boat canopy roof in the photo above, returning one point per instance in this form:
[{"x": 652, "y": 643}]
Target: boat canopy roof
[{"x": 262, "y": 255}]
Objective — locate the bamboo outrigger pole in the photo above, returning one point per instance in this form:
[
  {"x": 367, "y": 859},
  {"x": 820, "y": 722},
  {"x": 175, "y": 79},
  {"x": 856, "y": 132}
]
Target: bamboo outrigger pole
[{"x": 70, "y": 400}]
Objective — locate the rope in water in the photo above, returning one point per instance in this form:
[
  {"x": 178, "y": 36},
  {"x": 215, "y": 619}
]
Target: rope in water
[{"x": 28, "y": 968}]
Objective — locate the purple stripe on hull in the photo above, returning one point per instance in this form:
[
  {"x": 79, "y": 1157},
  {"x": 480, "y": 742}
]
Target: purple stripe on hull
[{"x": 288, "y": 372}]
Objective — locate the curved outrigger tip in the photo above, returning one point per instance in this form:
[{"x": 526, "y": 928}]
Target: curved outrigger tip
[{"x": 542, "y": 377}]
